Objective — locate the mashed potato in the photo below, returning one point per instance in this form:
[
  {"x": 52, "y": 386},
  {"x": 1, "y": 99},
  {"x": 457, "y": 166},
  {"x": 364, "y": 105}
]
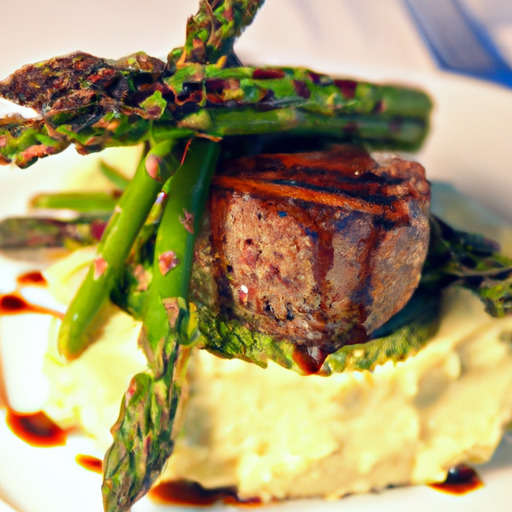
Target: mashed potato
[{"x": 275, "y": 434}]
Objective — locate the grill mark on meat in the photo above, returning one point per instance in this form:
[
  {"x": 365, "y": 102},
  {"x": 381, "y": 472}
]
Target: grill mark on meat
[
  {"x": 350, "y": 191},
  {"x": 317, "y": 179},
  {"x": 390, "y": 206},
  {"x": 343, "y": 178}
]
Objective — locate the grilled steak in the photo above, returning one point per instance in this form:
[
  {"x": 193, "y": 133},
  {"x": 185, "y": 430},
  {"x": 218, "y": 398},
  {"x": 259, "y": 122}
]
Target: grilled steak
[{"x": 320, "y": 248}]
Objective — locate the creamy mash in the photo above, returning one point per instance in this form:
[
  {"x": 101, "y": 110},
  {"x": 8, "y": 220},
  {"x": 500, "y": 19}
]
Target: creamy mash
[{"x": 275, "y": 434}]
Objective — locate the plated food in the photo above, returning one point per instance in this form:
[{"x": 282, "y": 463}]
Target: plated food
[{"x": 255, "y": 347}]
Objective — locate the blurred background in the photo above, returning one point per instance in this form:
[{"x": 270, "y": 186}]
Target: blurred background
[{"x": 357, "y": 33}]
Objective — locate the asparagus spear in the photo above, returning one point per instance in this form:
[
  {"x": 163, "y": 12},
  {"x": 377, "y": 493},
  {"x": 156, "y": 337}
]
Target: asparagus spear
[
  {"x": 174, "y": 246},
  {"x": 114, "y": 247},
  {"x": 37, "y": 232},
  {"x": 82, "y": 202},
  {"x": 131, "y": 291},
  {"x": 471, "y": 261},
  {"x": 24, "y": 141},
  {"x": 149, "y": 408},
  {"x": 145, "y": 432},
  {"x": 202, "y": 99},
  {"x": 212, "y": 32},
  {"x": 119, "y": 180}
]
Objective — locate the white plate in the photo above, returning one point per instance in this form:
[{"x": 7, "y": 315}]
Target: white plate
[{"x": 469, "y": 146}]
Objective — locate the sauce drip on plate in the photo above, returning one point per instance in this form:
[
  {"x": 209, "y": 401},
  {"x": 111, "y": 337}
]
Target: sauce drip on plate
[
  {"x": 32, "y": 278},
  {"x": 35, "y": 429},
  {"x": 185, "y": 492},
  {"x": 89, "y": 462},
  {"x": 13, "y": 303},
  {"x": 461, "y": 479}
]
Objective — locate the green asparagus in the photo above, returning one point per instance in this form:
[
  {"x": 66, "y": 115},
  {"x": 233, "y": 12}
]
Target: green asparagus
[
  {"x": 83, "y": 202},
  {"x": 148, "y": 417},
  {"x": 131, "y": 291},
  {"x": 212, "y": 31},
  {"x": 118, "y": 179},
  {"x": 471, "y": 261},
  {"x": 207, "y": 100},
  {"x": 174, "y": 246},
  {"x": 40, "y": 232},
  {"x": 122, "y": 229}
]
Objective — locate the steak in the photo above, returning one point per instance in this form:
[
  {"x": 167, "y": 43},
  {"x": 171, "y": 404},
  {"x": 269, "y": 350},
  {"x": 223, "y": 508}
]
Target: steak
[{"x": 320, "y": 248}]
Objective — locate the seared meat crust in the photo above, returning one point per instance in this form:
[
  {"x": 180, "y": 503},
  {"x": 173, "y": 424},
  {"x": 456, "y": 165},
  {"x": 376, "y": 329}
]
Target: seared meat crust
[{"x": 320, "y": 248}]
